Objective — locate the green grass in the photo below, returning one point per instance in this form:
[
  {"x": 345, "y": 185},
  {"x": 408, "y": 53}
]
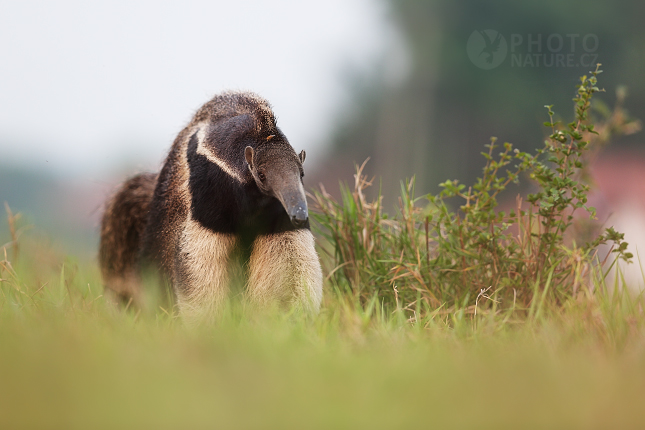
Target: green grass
[
  {"x": 431, "y": 318},
  {"x": 69, "y": 359},
  {"x": 449, "y": 249}
]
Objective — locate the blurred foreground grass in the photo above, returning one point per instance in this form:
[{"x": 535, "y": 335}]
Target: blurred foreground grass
[
  {"x": 69, "y": 360},
  {"x": 431, "y": 319}
]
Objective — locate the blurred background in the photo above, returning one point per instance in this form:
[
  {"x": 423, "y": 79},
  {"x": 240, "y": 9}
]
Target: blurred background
[{"x": 92, "y": 92}]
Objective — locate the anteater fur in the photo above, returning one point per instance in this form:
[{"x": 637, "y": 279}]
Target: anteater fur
[
  {"x": 122, "y": 228},
  {"x": 231, "y": 185}
]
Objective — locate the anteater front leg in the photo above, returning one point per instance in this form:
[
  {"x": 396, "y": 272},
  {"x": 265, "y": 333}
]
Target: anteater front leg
[
  {"x": 201, "y": 272},
  {"x": 284, "y": 269}
]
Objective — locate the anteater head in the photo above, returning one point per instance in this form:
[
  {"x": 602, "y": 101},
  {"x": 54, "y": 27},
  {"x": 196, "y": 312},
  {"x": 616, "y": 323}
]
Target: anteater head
[
  {"x": 278, "y": 172},
  {"x": 233, "y": 123}
]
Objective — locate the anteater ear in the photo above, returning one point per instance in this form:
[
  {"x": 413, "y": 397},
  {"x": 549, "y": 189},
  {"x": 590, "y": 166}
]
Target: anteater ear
[
  {"x": 302, "y": 156},
  {"x": 248, "y": 155}
]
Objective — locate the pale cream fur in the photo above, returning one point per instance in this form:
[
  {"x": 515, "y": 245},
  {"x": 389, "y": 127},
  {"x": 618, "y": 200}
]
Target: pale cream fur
[
  {"x": 284, "y": 269},
  {"x": 182, "y": 171},
  {"x": 202, "y": 271}
]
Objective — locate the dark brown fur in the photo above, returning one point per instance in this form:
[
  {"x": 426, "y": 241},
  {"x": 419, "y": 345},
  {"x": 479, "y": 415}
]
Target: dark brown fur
[{"x": 122, "y": 230}]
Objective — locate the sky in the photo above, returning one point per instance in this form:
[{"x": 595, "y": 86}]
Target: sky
[{"x": 90, "y": 87}]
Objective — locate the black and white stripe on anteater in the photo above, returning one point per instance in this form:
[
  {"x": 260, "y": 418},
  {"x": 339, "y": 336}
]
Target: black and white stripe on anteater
[{"x": 231, "y": 181}]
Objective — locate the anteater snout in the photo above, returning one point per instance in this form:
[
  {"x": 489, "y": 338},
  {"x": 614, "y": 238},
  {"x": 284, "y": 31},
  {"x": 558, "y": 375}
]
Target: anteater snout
[{"x": 299, "y": 216}]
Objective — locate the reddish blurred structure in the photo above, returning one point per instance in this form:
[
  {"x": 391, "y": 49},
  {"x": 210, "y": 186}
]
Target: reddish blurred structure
[{"x": 619, "y": 198}]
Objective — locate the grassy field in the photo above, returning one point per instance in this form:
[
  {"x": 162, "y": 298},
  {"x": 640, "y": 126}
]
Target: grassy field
[
  {"x": 68, "y": 360},
  {"x": 432, "y": 318}
]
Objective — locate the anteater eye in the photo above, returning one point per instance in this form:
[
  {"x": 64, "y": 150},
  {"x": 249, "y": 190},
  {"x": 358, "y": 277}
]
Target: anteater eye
[
  {"x": 302, "y": 175},
  {"x": 262, "y": 176}
]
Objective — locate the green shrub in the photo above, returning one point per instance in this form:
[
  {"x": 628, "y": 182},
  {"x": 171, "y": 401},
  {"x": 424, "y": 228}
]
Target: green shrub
[{"x": 430, "y": 256}]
